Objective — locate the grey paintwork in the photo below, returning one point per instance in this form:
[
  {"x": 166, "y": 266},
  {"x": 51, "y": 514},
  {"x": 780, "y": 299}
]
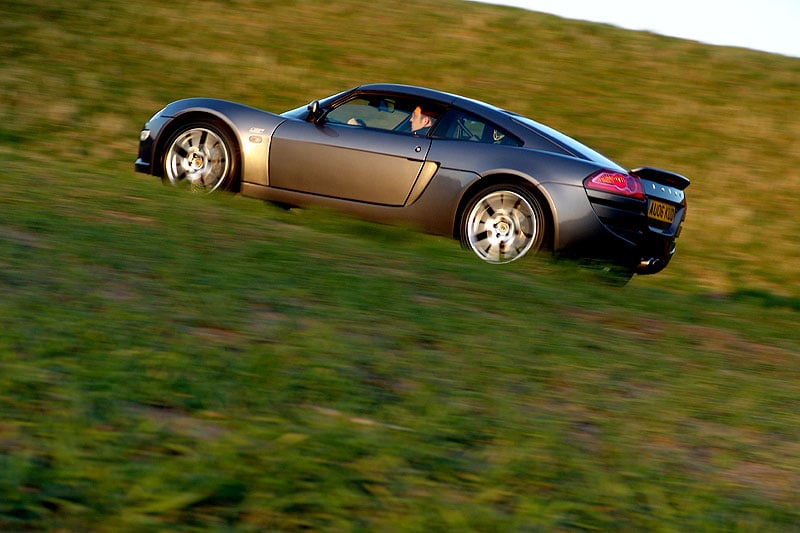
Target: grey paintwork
[
  {"x": 422, "y": 181},
  {"x": 377, "y": 167}
]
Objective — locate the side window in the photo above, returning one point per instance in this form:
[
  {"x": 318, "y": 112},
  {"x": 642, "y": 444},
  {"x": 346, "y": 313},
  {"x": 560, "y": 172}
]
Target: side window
[
  {"x": 411, "y": 116},
  {"x": 378, "y": 112},
  {"x": 460, "y": 126}
]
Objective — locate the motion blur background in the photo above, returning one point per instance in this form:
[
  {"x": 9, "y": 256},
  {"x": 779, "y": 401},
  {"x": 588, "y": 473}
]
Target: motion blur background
[{"x": 214, "y": 363}]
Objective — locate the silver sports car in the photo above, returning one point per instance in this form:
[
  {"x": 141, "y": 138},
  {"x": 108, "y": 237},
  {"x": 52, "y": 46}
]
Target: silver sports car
[{"x": 504, "y": 185}]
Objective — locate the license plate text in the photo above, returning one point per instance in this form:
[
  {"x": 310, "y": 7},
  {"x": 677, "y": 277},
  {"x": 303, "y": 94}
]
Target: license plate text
[{"x": 661, "y": 211}]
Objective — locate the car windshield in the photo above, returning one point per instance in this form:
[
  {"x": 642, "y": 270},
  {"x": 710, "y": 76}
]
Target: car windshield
[{"x": 568, "y": 142}]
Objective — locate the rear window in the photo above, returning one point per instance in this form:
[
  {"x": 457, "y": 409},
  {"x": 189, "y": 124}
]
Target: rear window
[
  {"x": 461, "y": 126},
  {"x": 573, "y": 146}
]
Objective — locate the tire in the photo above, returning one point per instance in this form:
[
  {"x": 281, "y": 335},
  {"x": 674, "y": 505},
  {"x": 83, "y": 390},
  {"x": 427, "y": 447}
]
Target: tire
[
  {"x": 503, "y": 223},
  {"x": 201, "y": 156}
]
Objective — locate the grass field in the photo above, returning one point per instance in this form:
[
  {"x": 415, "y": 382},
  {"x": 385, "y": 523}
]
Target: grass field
[{"x": 188, "y": 363}]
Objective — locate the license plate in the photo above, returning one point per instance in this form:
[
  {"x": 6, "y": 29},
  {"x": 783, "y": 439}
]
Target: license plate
[{"x": 661, "y": 211}]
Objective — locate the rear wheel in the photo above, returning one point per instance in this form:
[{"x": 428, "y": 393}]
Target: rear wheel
[
  {"x": 201, "y": 157},
  {"x": 503, "y": 223}
]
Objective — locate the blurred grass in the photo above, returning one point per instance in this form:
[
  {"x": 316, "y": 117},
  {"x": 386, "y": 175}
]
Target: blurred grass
[{"x": 193, "y": 363}]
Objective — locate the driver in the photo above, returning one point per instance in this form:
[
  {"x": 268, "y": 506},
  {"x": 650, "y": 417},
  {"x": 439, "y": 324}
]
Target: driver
[{"x": 421, "y": 121}]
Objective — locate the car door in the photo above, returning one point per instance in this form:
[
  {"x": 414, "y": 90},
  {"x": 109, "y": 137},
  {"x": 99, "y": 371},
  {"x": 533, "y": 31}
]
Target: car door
[{"x": 340, "y": 157}]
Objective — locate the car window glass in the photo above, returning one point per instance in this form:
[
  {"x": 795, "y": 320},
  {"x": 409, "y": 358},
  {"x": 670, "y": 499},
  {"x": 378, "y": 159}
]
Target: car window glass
[
  {"x": 387, "y": 112},
  {"x": 461, "y": 126},
  {"x": 378, "y": 113}
]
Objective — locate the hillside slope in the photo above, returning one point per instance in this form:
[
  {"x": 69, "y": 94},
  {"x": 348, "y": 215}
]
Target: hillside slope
[
  {"x": 214, "y": 363},
  {"x": 718, "y": 115}
]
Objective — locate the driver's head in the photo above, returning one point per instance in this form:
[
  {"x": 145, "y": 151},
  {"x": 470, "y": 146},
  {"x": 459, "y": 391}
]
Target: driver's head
[{"x": 420, "y": 119}]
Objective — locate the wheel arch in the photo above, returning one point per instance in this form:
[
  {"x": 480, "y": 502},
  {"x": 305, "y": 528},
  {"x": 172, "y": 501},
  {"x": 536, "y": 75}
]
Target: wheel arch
[
  {"x": 509, "y": 179},
  {"x": 188, "y": 117}
]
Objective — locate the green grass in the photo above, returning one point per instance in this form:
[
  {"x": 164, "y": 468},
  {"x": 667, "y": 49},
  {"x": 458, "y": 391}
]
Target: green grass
[{"x": 178, "y": 362}]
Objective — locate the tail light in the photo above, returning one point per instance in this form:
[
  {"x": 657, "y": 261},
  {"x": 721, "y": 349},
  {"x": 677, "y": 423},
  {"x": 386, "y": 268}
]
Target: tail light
[{"x": 615, "y": 183}]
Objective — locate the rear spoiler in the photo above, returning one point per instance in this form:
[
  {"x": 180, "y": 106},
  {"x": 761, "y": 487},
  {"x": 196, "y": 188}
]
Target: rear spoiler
[{"x": 663, "y": 177}]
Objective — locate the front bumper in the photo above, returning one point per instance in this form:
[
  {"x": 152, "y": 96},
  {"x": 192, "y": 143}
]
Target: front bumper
[
  {"x": 148, "y": 137},
  {"x": 142, "y": 166},
  {"x": 146, "y": 141}
]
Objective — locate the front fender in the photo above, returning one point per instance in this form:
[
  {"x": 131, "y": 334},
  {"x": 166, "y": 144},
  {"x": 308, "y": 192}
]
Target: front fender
[{"x": 252, "y": 128}]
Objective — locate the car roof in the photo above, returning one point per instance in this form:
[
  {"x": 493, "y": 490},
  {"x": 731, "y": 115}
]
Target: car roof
[
  {"x": 496, "y": 114},
  {"x": 432, "y": 94},
  {"x": 410, "y": 90},
  {"x": 518, "y": 124}
]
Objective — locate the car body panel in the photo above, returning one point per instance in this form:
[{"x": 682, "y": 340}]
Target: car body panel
[
  {"x": 387, "y": 174},
  {"x": 253, "y": 128},
  {"x": 433, "y": 212},
  {"x": 345, "y": 162}
]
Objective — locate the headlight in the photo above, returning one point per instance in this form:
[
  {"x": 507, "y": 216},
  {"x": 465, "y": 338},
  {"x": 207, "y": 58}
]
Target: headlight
[{"x": 144, "y": 135}]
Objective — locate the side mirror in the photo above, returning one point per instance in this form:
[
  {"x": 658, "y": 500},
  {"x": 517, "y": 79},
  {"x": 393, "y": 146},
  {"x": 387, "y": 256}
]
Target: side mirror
[{"x": 314, "y": 111}]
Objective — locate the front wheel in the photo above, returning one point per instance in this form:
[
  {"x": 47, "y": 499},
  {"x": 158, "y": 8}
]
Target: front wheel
[
  {"x": 503, "y": 223},
  {"x": 201, "y": 156}
]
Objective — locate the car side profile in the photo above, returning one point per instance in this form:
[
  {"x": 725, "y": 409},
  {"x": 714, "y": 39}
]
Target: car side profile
[{"x": 504, "y": 185}]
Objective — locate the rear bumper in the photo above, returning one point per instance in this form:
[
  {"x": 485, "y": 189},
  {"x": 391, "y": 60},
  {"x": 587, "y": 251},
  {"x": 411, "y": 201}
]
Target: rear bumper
[{"x": 632, "y": 239}]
